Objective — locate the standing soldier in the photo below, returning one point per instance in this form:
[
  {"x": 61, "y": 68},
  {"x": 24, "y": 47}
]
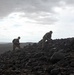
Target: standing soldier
[
  {"x": 16, "y": 43},
  {"x": 46, "y": 38}
]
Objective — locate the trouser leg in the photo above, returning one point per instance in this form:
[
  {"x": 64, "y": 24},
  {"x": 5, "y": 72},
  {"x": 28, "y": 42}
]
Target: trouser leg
[
  {"x": 43, "y": 43},
  {"x": 14, "y": 47},
  {"x": 19, "y": 46}
]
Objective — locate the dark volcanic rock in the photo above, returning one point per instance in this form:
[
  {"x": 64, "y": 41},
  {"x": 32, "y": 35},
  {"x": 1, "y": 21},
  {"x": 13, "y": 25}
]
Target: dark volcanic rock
[
  {"x": 55, "y": 71},
  {"x": 57, "y": 56},
  {"x": 55, "y": 59}
]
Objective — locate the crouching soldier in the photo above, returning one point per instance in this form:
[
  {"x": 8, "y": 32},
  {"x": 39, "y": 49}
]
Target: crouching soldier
[
  {"x": 16, "y": 43},
  {"x": 46, "y": 38}
]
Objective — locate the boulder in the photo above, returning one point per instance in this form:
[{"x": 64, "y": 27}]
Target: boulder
[
  {"x": 55, "y": 71},
  {"x": 56, "y": 57}
]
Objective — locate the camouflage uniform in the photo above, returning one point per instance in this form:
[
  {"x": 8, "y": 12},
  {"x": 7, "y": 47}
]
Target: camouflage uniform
[
  {"x": 16, "y": 43},
  {"x": 46, "y": 38}
]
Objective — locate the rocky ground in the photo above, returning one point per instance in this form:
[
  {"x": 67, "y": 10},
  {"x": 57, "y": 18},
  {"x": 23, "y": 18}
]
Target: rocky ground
[{"x": 57, "y": 58}]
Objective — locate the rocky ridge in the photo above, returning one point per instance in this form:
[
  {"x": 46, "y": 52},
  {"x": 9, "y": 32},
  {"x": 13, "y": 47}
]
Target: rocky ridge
[{"x": 55, "y": 59}]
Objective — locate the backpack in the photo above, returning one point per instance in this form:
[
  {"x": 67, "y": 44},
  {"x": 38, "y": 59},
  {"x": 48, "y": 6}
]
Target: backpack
[{"x": 15, "y": 41}]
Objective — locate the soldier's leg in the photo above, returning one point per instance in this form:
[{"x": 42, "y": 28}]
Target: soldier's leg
[
  {"x": 19, "y": 46},
  {"x": 49, "y": 42},
  {"x": 14, "y": 46},
  {"x": 43, "y": 43}
]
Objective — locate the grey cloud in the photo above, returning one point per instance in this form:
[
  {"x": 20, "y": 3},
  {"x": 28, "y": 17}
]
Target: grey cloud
[
  {"x": 47, "y": 21},
  {"x": 33, "y": 9},
  {"x": 6, "y": 7},
  {"x": 32, "y": 6},
  {"x": 29, "y": 6},
  {"x": 70, "y": 2},
  {"x": 42, "y": 18}
]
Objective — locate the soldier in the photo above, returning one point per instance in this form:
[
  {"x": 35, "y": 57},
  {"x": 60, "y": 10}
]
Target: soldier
[
  {"x": 46, "y": 38},
  {"x": 16, "y": 43}
]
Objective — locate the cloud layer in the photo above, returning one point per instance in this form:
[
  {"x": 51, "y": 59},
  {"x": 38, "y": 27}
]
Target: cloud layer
[{"x": 42, "y": 11}]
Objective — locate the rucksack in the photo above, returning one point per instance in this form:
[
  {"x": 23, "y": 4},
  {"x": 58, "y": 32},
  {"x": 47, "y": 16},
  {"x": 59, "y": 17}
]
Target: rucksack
[{"x": 15, "y": 41}]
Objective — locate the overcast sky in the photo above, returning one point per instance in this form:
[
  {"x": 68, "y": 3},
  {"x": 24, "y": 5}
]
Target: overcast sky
[{"x": 31, "y": 19}]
